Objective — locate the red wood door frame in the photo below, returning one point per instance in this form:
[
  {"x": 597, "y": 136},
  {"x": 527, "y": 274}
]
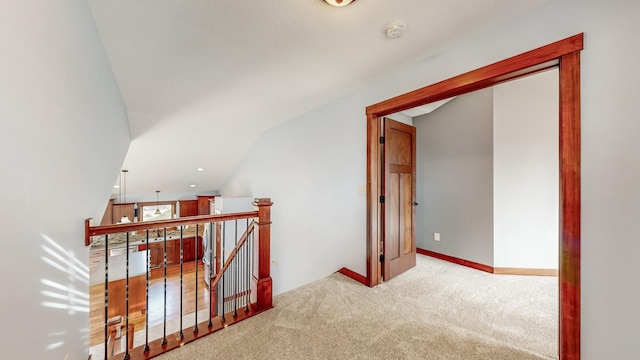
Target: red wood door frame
[{"x": 565, "y": 54}]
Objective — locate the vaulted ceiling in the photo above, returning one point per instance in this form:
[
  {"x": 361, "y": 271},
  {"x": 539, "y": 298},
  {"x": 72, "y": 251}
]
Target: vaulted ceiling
[{"x": 202, "y": 79}]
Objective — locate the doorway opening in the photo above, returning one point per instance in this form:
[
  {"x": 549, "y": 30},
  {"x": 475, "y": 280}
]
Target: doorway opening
[{"x": 563, "y": 54}]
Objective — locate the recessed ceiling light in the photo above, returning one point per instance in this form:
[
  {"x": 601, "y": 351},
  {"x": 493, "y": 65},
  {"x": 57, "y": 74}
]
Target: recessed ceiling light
[
  {"x": 200, "y": 169},
  {"x": 116, "y": 186},
  {"x": 192, "y": 185},
  {"x": 339, "y": 3}
]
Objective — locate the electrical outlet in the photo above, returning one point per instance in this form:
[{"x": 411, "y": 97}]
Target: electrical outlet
[{"x": 436, "y": 236}]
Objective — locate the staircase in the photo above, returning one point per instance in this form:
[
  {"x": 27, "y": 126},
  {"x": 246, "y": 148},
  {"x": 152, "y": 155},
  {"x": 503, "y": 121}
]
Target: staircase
[{"x": 175, "y": 295}]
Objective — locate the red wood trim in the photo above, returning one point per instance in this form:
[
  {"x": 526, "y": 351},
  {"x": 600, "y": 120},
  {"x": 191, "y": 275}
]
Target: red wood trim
[
  {"x": 487, "y": 268},
  {"x": 239, "y": 295},
  {"x": 501, "y": 71},
  {"x": 264, "y": 283},
  {"x": 570, "y": 206},
  {"x": 373, "y": 205},
  {"x": 525, "y": 271},
  {"x": 87, "y": 237},
  {"x": 156, "y": 348},
  {"x": 455, "y": 260},
  {"x": 564, "y": 53},
  {"x": 354, "y": 275},
  {"x": 152, "y": 225}
]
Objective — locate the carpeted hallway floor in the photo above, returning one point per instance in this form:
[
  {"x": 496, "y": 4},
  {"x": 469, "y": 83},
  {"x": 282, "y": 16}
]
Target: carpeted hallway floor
[{"x": 437, "y": 310}]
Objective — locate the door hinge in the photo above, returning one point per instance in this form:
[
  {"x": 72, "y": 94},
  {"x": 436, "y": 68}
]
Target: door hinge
[
  {"x": 382, "y": 199},
  {"x": 381, "y": 257},
  {"x": 381, "y": 139}
]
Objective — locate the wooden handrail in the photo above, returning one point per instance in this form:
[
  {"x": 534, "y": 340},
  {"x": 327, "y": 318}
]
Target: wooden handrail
[{"x": 152, "y": 225}]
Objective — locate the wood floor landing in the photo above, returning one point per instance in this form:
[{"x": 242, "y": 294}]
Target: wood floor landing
[{"x": 156, "y": 299}]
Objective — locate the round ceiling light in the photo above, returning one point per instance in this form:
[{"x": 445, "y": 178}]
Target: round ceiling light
[
  {"x": 395, "y": 31},
  {"x": 339, "y": 3}
]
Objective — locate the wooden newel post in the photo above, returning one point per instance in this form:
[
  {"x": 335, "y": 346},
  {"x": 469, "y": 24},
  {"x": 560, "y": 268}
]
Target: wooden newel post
[{"x": 264, "y": 294}]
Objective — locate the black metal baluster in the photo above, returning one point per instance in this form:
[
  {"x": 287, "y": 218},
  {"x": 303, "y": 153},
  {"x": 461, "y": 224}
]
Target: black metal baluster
[
  {"x": 241, "y": 274},
  {"x": 181, "y": 334},
  {"x": 106, "y": 295},
  {"x": 235, "y": 276},
  {"x": 195, "y": 328},
  {"x": 248, "y": 274},
  {"x": 225, "y": 284},
  {"x": 146, "y": 311},
  {"x": 217, "y": 299},
  {"x": 223, "y": 274},
  {"x": 126, "y": 299},
  {"x": 164, "y": 331},
  {"x": 246, "y": 267},
  {"x": 227, "y": 275},
  {"x": 210, "y": 239},
  {"x": 251, "y": 252}
]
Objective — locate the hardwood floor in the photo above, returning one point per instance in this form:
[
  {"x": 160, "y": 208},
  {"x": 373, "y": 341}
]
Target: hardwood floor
[{"x": 156, "y": 299}]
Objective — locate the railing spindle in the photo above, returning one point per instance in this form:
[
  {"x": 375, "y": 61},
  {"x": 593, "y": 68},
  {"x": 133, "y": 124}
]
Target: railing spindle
[
  {"x": 247, "y": 287},
  {"x": 246, "y": 265},
  {"x": 224, "y": 227},
  {"x": 181, "y": 334},
  {"x": 126, "y": 299},
  {"x": 164, "y": 322},
  {"x": 210, "y": 240},
  {"x": 106, "y": 296},
  {"x": 235, "y": 276},
  {"x": 195, "y": 328},
  {"x": 146, "y": 308}
]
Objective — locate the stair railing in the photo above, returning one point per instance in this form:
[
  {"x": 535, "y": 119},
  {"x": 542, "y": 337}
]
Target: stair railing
[{"x": 239, "y": 280}]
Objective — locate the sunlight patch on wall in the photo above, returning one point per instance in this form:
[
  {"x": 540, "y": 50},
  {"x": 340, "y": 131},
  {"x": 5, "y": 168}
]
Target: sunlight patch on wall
[{"x": 64, "y": 296}]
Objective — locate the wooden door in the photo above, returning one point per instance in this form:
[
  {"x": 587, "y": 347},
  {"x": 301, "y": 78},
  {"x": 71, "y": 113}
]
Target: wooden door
[{"x": 399, "y": 189}]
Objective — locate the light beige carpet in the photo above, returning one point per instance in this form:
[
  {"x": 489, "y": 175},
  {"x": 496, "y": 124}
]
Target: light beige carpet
[{"x": 437, "y": 310}]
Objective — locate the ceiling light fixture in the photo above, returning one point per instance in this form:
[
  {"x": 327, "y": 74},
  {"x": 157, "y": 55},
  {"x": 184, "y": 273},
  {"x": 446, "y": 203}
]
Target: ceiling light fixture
[
  {"x": 192, "y": 185},
  {"x": 123, "y": 186},
  {"x": 157, "y": 212},
  {"x": 200, "y": 169},
  {"x": 339, "y": 3}
]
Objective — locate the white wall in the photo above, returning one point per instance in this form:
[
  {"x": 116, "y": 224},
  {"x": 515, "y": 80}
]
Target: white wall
[
  {"x": 525, "y": 172},
  {"x": 312, "y": 169},
  {"x": 400, "y": 117},
  {"x": 65, "y": 135},
  {"x": 233, "y": 229},
  {"x": 454, "y": 178},
  {"x": 312, "y": 166}
]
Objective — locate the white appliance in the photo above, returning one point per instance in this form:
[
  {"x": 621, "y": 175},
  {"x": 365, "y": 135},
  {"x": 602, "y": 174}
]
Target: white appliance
[{"x": 208, "y": 239}]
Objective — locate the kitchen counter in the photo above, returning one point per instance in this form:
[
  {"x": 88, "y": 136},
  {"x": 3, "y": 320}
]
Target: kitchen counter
[
  {"x": 138, "y": 238},
  {"x": 118, "y": 283},
  {"x": 117, "y": 268}
]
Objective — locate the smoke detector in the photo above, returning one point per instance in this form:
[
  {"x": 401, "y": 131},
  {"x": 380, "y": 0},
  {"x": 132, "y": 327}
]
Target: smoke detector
[{"x": 395, "y": 30}]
